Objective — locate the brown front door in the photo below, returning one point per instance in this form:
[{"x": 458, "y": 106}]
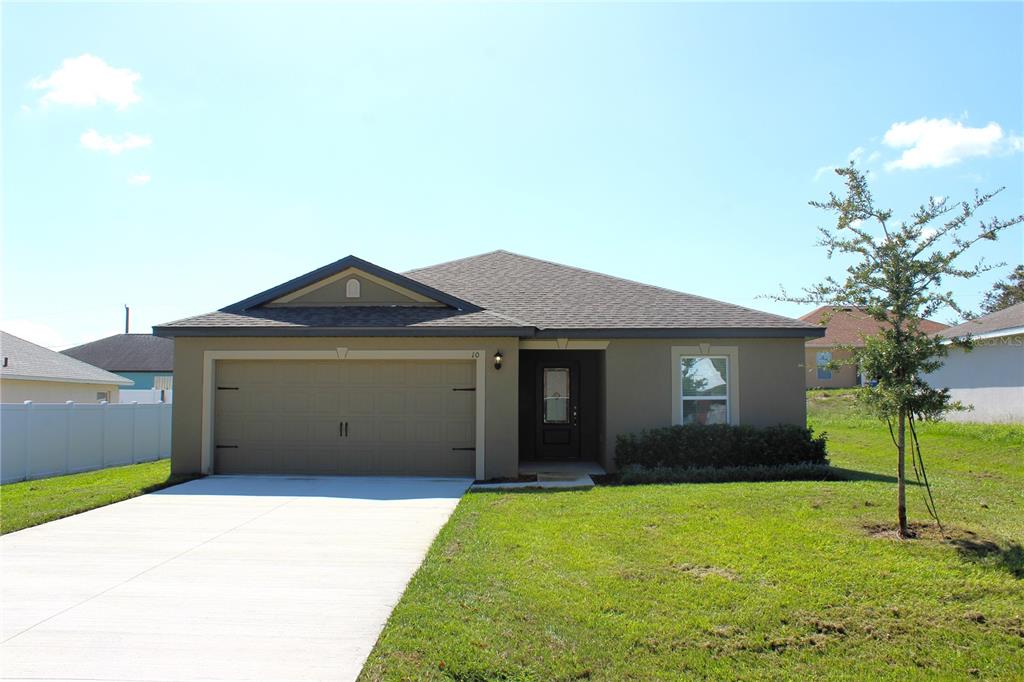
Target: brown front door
[{"x": 558, "y": 417}]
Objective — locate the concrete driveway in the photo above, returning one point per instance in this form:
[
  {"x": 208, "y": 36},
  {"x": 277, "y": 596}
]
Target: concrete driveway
[{"x": 223, "y": 578}]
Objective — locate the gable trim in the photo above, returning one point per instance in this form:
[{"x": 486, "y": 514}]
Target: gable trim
[
  {"x": 413, "y": 296},
  {"x": 315, "y": 276}
]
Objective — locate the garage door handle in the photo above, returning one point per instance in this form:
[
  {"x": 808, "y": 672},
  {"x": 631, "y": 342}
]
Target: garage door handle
[{"x": 343, "y": 429}]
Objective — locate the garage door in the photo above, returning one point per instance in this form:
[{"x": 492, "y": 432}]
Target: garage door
[{"x": 373, "y": 417}]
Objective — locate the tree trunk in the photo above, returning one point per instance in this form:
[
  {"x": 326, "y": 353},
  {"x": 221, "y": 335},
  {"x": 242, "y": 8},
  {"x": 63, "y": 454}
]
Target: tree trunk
[{"x": 901, "y": 446}]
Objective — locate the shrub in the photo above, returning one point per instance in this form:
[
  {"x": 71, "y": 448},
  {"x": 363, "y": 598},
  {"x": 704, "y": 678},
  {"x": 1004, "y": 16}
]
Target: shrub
[
  {"x": 694, "y": 446},
  {"x": 635, "y": 474}
]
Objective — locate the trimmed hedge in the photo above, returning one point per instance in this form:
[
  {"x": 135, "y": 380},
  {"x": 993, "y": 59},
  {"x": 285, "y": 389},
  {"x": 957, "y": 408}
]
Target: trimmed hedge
[
  {"x": 693, "y": 446},
  {"x": 635, "y": 475}
]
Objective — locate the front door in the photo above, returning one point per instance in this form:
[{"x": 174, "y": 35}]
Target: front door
[{"x": 558, "y": 416}]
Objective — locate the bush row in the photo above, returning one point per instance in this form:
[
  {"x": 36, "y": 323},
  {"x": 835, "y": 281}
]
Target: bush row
[
  {"x": 634, "y": 474},
  {"x": 693, "y": 446}
]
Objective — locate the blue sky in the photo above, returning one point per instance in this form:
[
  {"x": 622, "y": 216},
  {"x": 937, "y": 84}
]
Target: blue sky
[{"x": 180, "y": 157}]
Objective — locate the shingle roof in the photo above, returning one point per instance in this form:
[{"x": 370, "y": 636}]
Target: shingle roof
[
  {"x": 553, "y": 296},
  {"x": 26, "y": 360},
  {"x": 521, "y": 296},
  {"x": 1007, "y": 319},
  {"x": 847, "y": 326},
  {"x": 127, "y": 353}
]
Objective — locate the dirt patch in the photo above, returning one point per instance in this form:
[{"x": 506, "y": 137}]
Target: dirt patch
[{"x": 707, "y": 570}]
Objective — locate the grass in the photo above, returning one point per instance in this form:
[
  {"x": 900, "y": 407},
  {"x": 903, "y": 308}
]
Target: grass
[
  {"x": 783, "y": 580},
  {"x": 30, "y": 503}
]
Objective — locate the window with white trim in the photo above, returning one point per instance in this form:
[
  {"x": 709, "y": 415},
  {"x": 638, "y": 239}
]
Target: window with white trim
[
  {"x": 822, "y": 359},
  {"x": 352, "y": 288},
  {"x": 704, "y": 389}
]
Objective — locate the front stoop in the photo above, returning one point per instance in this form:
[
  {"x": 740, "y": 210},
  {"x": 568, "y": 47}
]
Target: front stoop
[{"x": 550, "y": 476}]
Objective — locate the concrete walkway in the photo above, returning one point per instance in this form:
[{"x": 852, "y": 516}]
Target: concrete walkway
[{"x": 223, "y": 578}]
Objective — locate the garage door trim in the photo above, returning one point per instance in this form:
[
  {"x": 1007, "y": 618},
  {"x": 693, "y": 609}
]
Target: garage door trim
[{"x": 341, "y": 354}]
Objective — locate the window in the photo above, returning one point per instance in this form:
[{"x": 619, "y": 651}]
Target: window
[
  {"x": 556, "y": 395},
  {"x": 103, "y": 395},
  {"x": 823, "y": 358},
  {"x": 704, "y": 390},
  {"x": 352, "y": 288}
]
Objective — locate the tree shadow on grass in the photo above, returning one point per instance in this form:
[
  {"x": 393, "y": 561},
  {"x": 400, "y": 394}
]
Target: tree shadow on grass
[
  {"x": 1008, "y": 556},
  {"x": 842, "y": 474}
]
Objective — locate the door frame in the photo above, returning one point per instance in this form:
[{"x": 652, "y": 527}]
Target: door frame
[
  {"x": 573, "y": 365},
  {"x": 210, "y": 357}
]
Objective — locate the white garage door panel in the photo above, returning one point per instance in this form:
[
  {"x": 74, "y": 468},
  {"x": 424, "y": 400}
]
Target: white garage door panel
[{"x": 402, "y": 417}]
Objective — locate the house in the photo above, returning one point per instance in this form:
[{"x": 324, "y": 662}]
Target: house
[
  {"x": 31, "y": 372},
  {"x": 846, "y": 326},
  {"x": 466, "y": 368},
  {"x": 145, "y": 359},
  {"x": 991, "y": 376}
]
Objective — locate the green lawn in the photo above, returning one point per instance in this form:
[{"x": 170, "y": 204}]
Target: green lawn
[
  {"x": 30, "y": 503},
  {"x": 792, "y": 580}
]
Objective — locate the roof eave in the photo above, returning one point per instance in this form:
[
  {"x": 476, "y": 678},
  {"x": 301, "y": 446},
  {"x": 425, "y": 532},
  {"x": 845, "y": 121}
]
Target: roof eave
[
  {"x": 521, "y": 332},
  {"x": 683, "y": 333},
  {"x": 119, "y": 381},
  {"x": 172, "y": 332}
]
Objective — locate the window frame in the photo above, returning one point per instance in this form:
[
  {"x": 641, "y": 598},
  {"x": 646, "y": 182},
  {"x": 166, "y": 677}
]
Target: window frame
[
  {"x": 822, "y": 369},
  {"x": 704, "y": 350}
]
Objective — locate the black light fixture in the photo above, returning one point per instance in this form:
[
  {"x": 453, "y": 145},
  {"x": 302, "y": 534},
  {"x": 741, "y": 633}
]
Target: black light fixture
[{"x": 497, "y": 360}]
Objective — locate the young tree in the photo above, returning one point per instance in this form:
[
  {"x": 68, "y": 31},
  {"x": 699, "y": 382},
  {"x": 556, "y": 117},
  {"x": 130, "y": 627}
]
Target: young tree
[
  {"x": 1005, "y": 294},
  {"x": 897, "y": 278}
]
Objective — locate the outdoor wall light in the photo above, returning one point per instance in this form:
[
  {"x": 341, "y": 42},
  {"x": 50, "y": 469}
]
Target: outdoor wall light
[{"x": 497, "y": 360}]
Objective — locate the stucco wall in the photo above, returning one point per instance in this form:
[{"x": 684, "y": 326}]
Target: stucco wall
[
  {"x": 501, "y": 388},
  {"x": 843, "y": 377},
  {"x": 18, "y": 390},
  {"x": 638, "y": 384},
  {"x": 990, "y": 377}
]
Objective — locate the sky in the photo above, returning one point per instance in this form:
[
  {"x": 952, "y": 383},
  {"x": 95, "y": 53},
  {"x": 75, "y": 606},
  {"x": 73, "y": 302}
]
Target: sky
[{"x": 180, "y": 157}]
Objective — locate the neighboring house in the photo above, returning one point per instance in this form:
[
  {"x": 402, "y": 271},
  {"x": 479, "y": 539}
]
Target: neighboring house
[
  {"x": 991, "y": 376},
  {"x": 31, "y": 372},
  {"x": 846, "y": 326},
  {"x": 145, "y": 359},
  {"x": 467, "y": 368}
]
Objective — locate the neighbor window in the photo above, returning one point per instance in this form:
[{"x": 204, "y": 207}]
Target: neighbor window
[
  {"x": 824, "y": 357},
  {"x": 704, "y": 394}
]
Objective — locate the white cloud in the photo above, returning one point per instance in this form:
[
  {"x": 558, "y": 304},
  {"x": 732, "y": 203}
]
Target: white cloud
[
  {"x": 855, "y": 156},
  {"x": 927, "y": 233},
  {"x": 109, "y": 143},
  {"x": 940, "y": 142},
  {"x": 874, "y": 156},
  {"x": 25, "y": 109},
  {"x": 821, "y": 171},
  {"x": 85, "y": 81},
  {"x": 140, "y": 179},
  {"x": 36, "y": 332}
]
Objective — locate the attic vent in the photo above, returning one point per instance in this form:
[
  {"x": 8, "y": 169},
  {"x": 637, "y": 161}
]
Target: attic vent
[{"x": 352, "y": 288}]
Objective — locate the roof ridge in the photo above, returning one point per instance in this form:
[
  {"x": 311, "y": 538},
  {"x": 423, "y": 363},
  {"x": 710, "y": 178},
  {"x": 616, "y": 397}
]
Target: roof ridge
[{"x": 456, "y": 260}]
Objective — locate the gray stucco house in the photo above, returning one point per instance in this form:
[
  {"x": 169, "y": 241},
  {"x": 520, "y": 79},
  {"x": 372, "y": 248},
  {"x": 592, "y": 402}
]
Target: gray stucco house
[
  {"x": 990, "y": 377},
  {"x": 467, "y": 368}
]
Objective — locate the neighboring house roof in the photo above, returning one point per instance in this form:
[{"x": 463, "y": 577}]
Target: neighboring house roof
[
  {"x": 26, "y": 361},
  {"x": 495, "y": 294},
  {"x": 1005, "y": 322},
  {"x": 127, "y": 353},
  {"x": 848, "y": 325}
]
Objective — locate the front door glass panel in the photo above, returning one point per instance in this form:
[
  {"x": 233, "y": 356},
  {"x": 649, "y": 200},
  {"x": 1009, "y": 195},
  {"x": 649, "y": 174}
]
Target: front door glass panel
[{"x": 556, "y": 395}]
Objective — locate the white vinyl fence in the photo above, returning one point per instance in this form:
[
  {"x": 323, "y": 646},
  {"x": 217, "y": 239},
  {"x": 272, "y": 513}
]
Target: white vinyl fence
[{"x": 45, "y": 439}]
